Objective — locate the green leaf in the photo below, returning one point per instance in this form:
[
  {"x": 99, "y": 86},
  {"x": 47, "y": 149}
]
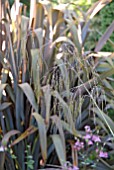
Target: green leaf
[
  {"x": 42, "y": 133},
  {"x": 59, "y": 148},
  {"x": 30, "y": 166},
  {"x": 106, "y": 74},
  {"x": 30, "y": 94}
]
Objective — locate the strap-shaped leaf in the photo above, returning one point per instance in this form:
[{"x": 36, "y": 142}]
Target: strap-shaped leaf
[
  {"x": 67, "y": 127},
  {"x": 62, "y": 39},
  {"x": 7, "y": 136},
  {"x": 59, "y": 148},
  {"x": 36, "y": 69},
  {"x": 4, "y": 106},
  {"x": 12, "y": 58},
  {"x": 66, "y": 108},
  {"x": 94, "y": 9},
  {"x": 42, "y": 133},
  {"x": 2, "y": 158},
  {"x": 105, "y": 37},
  {"x": 25, "y": 134},
  {"x": 30, "y": 94},
  {"x": 105, "y": 118},
  {"x": 47, "y": 95},
  {"x": 8, "y": 89},
  {"x": 58, "y": 124}
]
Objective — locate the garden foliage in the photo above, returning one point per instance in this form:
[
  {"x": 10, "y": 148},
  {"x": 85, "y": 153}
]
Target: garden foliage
[
  {"x": 107, "y": 16},
  {"x": 51, "y": 88}
]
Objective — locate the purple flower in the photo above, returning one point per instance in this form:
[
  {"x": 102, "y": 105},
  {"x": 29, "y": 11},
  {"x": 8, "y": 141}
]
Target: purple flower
[
  {"x": 103, "y": 154},
  {"x": 87, "y": 129},
  {"x": 2, "y": 149},
  {"x": 75, "y": 168},
  {"x": 97, "y": 150},
  {"x": 96, "y": 138},
  {"x": 79, "y": 145},
  {"x": 87, "y": 136},
  {"x": 90, "y": 142}
]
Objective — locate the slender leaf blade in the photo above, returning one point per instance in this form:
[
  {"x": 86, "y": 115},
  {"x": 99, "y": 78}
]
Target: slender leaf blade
[
  {"x": 30, "y": 94},
  {"x": 42, "y": 133},
  {"x": 105, "y": 37},
  {"x": 7, "y": 136},
  {"x": 5, "y": 105},
  {"x": 59, "y": 148}
]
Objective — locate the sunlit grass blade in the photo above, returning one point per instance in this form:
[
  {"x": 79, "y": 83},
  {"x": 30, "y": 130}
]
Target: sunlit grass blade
[
  {"x": 96, "y": 7},
  {"x": 24, "y": 135},
  {"x": 32, "y": 14},
  {"x": 62, "y": 39}
]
